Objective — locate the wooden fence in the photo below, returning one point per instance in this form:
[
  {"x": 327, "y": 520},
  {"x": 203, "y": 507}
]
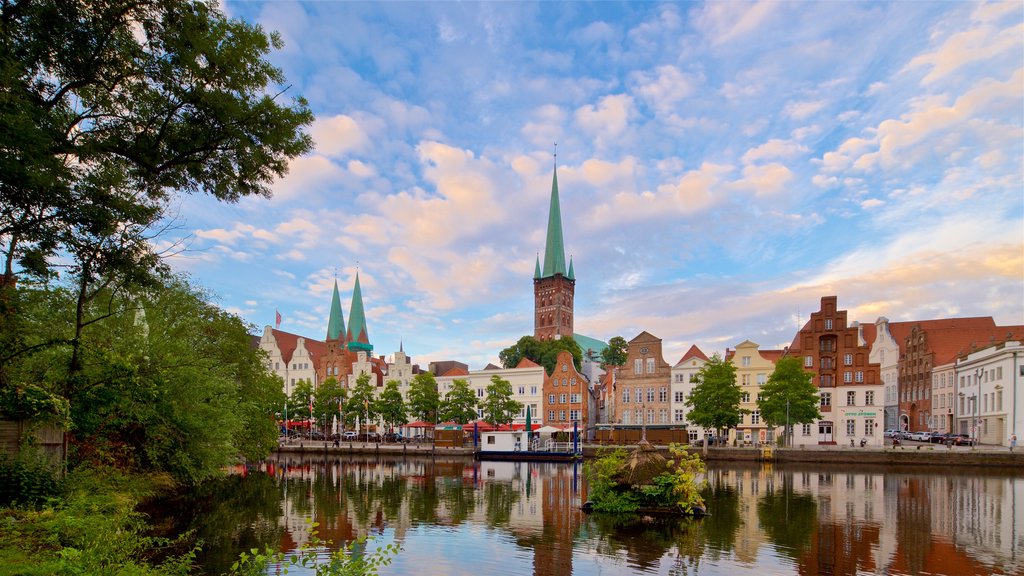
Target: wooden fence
[{"x": 48, "y": 441}]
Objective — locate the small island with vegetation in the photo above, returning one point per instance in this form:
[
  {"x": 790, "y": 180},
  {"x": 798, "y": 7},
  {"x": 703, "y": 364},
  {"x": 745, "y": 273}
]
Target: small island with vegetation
[{"x": 645, "y": 482}]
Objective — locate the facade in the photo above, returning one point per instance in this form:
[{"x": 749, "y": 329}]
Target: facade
[
  {"x": 684, "y": 374},
  {"x": 943, "y": 398},
  {"x": 753, "y": 367},
  {"x": 990, "y": 393},
  {"x": 567, "y": 399},
  {"x": 849, "y": 384},
  {"x": 292, "y": 357},
  {"x": 642, "y": 384},
  {"x": 554, "y": 287},
  {"x": 885, "y": 351}
]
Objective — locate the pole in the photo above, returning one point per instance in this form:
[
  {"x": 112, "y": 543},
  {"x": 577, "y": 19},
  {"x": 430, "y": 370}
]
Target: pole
[{"x": 788, "y": 435}]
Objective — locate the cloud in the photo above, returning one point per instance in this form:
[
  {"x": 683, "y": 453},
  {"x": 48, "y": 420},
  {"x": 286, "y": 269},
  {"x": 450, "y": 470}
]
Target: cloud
[
  {"x": 979, "y": 44},
  {"x": 306, "y": 175},
  {"x": 694, "y": 192},
  {"x": 724, "y": 22},
  {"x": 803, "y": 110},
  {"x": 765, "y": 180},
  {"x": 337, "y": 136},
  {"x": 663, "y": 88},
  {"x": 871, "y": 203},
  {"x": 774, "y": 149},
  {"x": 608, "y": 119}
]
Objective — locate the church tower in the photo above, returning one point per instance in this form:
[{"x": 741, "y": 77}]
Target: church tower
[
  {"x": 553, "y": 286},
  {"x": 357, "y": 337}
]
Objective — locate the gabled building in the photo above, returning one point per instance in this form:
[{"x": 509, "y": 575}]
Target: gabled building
[
  {"x": 567, "y": 396},
  {"x": 642, "y": 384},
  {"x": 849, "y": 384},
  {"x": 683, "y": 382},
  {"x": 292, "y": 357},
  {"x": 753, "y": 367}
]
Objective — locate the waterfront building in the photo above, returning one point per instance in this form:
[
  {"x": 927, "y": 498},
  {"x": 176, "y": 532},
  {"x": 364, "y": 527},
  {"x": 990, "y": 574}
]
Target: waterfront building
[
  {"x": 943, "y": 398},
  {"x": 684, "y": 379},
  {"x": 885, "y": 351},
  {"x": 554, "y": 286},
  {"x": 849, "y": 384},
  {"x": 753, "y": 367},
  {"x": 292, "y": 357},
  {"x": 642, "y": 384},
  {"x": 567, "y": 398},
  {"x": 990, "y": 392}
]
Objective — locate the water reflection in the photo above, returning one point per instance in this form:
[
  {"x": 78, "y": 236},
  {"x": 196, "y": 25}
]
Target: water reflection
[{"x": 464, "y": 517}]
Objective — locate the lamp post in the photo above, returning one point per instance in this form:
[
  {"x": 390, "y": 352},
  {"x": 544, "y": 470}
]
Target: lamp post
[
  {"x": 977, "y": 394},
  {"x": 789, "y": 435}
]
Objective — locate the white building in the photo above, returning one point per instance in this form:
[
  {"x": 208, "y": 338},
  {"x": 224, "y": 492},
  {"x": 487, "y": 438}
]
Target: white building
[
  {"x": 683, "y": 381},
  {"x": 292, "y": 357},
  {"x": 885, "y": 351},
  {"x": 990, "y": 393}
]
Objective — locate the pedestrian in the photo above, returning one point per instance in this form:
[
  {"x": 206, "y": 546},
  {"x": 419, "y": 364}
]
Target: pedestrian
[{"x": 1013, "y": 442}]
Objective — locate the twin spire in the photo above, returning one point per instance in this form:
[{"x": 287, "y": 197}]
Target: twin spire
[
  {"x": 554, "y": 248},
  {"x": 357, "y": 336}
]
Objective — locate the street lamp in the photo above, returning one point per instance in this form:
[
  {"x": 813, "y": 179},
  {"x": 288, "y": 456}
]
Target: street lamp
[{"x": 789, "y": 434}]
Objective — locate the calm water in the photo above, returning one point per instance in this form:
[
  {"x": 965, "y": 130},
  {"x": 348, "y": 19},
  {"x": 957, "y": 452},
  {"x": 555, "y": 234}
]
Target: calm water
[{"x": 494, "y": 518}]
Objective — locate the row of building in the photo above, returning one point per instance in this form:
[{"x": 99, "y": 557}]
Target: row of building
[{"x": 962, "y": 375}]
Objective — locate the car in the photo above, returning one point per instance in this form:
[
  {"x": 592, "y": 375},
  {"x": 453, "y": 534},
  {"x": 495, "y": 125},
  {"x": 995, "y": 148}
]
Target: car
[
  {"x": 938, "y": 437},
  {"x": 921, "y": 436},
  {"x": 394, "y": 437},
  {"x": 369, "y": 437},
  {"x": 349, "y": 435},
  {"x": 891, "y": 432},
  {"x": 963, "y": 440}
]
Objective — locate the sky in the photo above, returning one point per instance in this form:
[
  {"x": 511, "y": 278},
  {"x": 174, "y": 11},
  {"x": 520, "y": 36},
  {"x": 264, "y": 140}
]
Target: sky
[{"x": 721, "y": 167}]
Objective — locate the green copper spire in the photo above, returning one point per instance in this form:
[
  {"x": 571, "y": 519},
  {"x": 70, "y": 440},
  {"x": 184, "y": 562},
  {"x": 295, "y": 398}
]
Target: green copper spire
[
  {"x": 571, "y": 275},
  {"x": 358, "y": 338},
  {"x": 536, "y": 269},
  {"x": 554, "y": 250},
  {"x": 336, "y": 321}
]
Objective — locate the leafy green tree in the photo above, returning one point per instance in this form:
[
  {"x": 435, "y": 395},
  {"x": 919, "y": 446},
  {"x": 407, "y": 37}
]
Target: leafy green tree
[
  {"x": 498, "y": 405},
  {"x": 362, "y": 404},
  {"x": 715, "y": 401},
  {"x": 329, "y": 401},
  {"x": 616, "y": 352},
  {"x": 460, "y": 403},
  {"x": 789, "y": 393},
  {"x": 424, "y": 399},
  {"x": 299, "y": 400},
  {"x": 391, "y": 406},
  {"x": 543, "y": 352},
  {"x": 137, "y": 102}
]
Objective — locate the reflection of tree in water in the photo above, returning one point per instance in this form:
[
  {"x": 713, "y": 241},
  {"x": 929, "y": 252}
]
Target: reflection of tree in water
[
  {"x": 458, "y": 499},
  {"x": 423, "y": 499},
  {"x": 913, "y": 522},
  {"x": 721, "y": 526},
  {"x": 499, "y": 498},
  {"x": 788, "y": 518},
  {"x": 645, "y": 541}
]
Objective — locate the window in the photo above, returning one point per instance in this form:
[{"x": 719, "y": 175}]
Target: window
[
  {"x": 806, "y": 430},
  {"x": 762, "y": 379},
  {"x": 679, "y": 396},
  {"x": 869, "y": 398},
  {"x": 650, "y": 415},
  {"x": 826, "y": 362},
  {"x": 639, "y": 395},
  {"x": 650, "y": 365},
  {"x": 663, "y": 394},
  {"x": 828, "y": 324},
  {"x": 565, "y": 367},
  {"x": 826, "y": 399},
  {"x": 680, "y": 378},
  {"x": 479, "y": 391},
  {"x": 522, "y": 390},
  {"x": 755, "y": 417},
  {"x": 650, "y": 394},
  {"x": 851, "y": 398},
  {"x": 561, "y": 398},
  {"x": 533, "y": 390},
  {"x": 680, "y": 416},
  {"x": 625, "y": 396},
  {"x": 626, "y": 416},
  {"x": 574, "y": 398},
  {"x": 743, "y": 419},
  {"x": 561, "y": 414},
  {"x": 851, "y": 427},
  {"x": 858, "y": 376},
  {"x": 662, "y": 416},
  {"x": 848, "y": 359},
  {"x": 638, "y": 366},
  {"x": 551, "y": 398},
  {"x": 847, "y": 376},
  {"x": 745, "y": 397},
  {"x": 745, "y": 379},
  {"x": 826, "y": 381},
  {"x": 745, "y": 361},
  {"x": 808, "y": 361},
  {"x": 574, "y": 415}
]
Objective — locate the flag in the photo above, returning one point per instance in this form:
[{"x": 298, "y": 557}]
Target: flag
[{"x": 277, "y": 320}]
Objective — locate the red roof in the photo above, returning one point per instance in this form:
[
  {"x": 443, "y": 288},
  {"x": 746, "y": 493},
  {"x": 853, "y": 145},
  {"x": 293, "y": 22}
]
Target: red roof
[
  {"x": 527, "y": 363},
  {"x": 285, "y": 343},
  {"x": 457, "y": 371},
  {"x": 419, "y": 424},
  {"x": 772, "y": 355},
  {"x": 693, "y": 352}
]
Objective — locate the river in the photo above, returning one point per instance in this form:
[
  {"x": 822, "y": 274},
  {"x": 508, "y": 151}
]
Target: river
[{"x": 459, "y": 517}]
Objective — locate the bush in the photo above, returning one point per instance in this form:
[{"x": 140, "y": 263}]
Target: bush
[{"x": 26, "y": 481}]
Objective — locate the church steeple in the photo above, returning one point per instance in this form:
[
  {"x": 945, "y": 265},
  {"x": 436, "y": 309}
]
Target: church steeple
[
  {"x": 358, "y": 337},
  {"x": 571, "y": 275},
  {"x": 554, "y": 249},
  {"x": 536, "y": 269},
  {"x": 336, "y": 321}
]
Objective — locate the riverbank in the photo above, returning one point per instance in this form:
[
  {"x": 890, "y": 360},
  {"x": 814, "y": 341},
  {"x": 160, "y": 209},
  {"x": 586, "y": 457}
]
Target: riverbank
[{"x": 910, "y": 455}]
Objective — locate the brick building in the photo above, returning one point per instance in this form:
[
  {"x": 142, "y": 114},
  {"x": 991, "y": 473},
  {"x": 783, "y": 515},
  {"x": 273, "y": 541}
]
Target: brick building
[{"x": 642, "y": 384}]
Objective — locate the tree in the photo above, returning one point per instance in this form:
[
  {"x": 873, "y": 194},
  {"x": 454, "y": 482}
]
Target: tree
[
  {"x": 498, "y": 405},
  {"x": 460, "y": 403},
  {"x": 391, "y": 406},
  {"x": 329, "y": 401},
  {"x": 109, "y": 109},
  {"x": 300, "y": 400},
  {"x": 424, "y": 398},
  {"x": 715, "y": 401},
  {"x": 543, "y": 352},
  {"x": 615, "y": 354},
  {"x": 361, "y": 404},
  {"x": 789, "y": 396}
]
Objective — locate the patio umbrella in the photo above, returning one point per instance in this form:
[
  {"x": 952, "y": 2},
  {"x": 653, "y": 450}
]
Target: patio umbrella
[
  {"x": 334, "y": 424},
  {"x": 529, "y": 427}
]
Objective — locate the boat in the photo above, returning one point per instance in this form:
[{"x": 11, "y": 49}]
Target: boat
[{"x": 514, "y": 446}]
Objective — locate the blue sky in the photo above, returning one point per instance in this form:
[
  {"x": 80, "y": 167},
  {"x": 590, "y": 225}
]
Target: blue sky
[{"x": 721, "y": 166}]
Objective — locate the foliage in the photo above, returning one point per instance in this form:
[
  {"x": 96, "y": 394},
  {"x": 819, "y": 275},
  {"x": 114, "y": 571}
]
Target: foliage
[
  {"x": 329, "y": 401},
  {"x": 789, "y": 385},
  {"x": 424, "y": 398},
  {"x": 351, "y": 560},
  {"x": 300, "y": 399},
  {"x": 715, "y": 401},
  {"x": 26, "y": 480},
  {"x": 361, "y": 403},
  {"x": 31, "y": 402},
  {"x": 459, "y": 403},
  {"x": 391, "y": 406},
  {"x": 498, "y": 405},
  {"x": 677, "y": 487},
  {"x": 789, "y": 519},
  {"x": 543, "y": 352},
  {"x": 615, "y": 354}
]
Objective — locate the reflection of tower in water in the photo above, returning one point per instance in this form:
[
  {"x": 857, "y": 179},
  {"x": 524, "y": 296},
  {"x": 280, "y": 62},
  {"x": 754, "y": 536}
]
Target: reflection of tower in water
[{"x": 562, "y": 517}]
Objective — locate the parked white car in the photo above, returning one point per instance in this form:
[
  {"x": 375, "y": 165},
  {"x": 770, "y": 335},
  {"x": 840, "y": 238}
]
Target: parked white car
[{"x": 921, "y": 436}]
